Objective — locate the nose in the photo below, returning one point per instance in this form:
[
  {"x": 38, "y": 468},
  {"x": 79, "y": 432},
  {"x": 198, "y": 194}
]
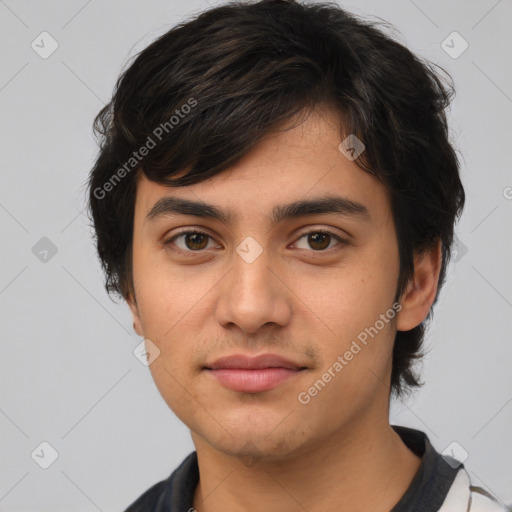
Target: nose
[{"x": 253, "y": 294}]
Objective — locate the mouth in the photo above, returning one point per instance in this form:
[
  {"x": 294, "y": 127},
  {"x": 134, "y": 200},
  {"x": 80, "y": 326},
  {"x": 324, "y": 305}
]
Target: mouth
[{"x": 253, "y": 374}]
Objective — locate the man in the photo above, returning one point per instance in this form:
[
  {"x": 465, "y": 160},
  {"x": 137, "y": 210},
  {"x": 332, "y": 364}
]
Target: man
[{"x": 275, "y": 198}]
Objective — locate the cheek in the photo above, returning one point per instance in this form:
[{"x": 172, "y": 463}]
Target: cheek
[
  {"x": 356, "y": 349},
  {"x": 356, "y": 316},
  {"x": 170, "y": 297},
  {"x": 353, "y": 296},
  {"x": 174, "y": 306}
]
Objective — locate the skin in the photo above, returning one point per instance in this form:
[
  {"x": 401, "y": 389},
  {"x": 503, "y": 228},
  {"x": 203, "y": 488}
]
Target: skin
[{"x": 267, "y": 451}]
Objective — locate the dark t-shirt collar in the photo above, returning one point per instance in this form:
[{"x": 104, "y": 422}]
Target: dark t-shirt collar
[
  {"x": 434, "y": 478},
  {"x": 426, "y": 493}
]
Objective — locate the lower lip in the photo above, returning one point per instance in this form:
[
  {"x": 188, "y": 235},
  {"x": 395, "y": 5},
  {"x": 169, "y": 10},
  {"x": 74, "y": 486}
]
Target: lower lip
[{"x": 252, "y": 381}]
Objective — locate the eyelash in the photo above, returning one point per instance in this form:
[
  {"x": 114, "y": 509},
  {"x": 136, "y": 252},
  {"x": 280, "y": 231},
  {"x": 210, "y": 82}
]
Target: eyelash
[{"x": 169, "y": 241}]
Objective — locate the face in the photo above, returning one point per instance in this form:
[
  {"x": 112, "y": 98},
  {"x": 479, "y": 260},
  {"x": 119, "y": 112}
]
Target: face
[{"x": 290, "y": 292}]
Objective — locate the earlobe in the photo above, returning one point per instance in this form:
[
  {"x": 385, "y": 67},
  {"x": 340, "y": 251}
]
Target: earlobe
[
  {"x": 137, "y": 326},
  {"x": 421, "y": 290}
]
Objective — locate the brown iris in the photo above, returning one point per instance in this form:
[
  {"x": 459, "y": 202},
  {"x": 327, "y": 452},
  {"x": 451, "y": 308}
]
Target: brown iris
[
  {"x": 196, "y": 241},
  {"x": 319, "y": 241}
]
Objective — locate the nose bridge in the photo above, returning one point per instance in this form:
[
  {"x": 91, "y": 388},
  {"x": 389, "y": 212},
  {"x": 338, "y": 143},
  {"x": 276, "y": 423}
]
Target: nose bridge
[
  {"x": 251, "y": 268},
  {"x": 251, "y": 296}
]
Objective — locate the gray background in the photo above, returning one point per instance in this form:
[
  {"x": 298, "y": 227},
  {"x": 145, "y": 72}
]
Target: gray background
[{"x": 68, "y": 373}]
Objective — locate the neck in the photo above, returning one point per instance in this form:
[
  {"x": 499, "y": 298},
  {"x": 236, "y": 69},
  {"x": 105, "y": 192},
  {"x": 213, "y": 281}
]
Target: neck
[{"x": 356, "y": 469}]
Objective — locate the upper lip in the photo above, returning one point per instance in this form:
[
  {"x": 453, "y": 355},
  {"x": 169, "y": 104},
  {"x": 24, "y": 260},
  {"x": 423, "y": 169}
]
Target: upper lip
[{"x": 245, "y": 362}]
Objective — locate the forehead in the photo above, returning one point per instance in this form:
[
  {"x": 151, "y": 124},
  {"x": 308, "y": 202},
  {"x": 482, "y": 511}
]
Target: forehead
[{"x": 299, "y": 163}]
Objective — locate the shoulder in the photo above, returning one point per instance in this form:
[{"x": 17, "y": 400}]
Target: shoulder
[
  {"x": 465, "y": 497},
  {"x": 174, "y": 493},
  {"x": 482, "y": 501},
  {"x": 148, "y": 500}
]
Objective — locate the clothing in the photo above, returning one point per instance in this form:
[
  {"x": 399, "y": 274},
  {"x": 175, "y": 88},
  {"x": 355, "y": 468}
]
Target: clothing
[{"x": 437, "y": 486}]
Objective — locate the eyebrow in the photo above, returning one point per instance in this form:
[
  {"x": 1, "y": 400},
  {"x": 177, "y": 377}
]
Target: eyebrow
[{"x": 169, "y": 206}]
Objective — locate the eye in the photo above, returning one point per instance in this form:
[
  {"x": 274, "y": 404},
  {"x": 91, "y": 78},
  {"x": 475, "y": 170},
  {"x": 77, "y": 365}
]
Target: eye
[
  {"x": 190, "y": 241},
  {"x": 321, "y": 240}
]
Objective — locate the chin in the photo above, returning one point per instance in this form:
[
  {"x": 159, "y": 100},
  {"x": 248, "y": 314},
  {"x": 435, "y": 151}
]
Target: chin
[{"x": 251, "y": 440}]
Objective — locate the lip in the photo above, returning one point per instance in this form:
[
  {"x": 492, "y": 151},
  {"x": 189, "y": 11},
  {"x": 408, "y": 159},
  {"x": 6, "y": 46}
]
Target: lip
[
  {"x": 245, "y": 362},
  {"x": 253, "y": 374}
]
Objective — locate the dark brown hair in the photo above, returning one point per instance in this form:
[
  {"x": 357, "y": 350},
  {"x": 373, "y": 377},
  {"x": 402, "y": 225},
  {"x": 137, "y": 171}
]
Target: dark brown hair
[{"x": 204, "y": 93}]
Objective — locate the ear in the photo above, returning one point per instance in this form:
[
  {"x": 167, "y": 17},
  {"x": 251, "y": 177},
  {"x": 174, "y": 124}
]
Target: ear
[
  {"x": 421, "y": 290},
  {"x": 137, "y": 326}
]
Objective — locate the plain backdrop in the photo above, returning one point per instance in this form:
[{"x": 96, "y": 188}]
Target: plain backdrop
[{"x": 69, "y": 377}]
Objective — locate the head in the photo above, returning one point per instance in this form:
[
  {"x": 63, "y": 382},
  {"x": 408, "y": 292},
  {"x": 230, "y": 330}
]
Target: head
[{"x": 242, "y": 110}]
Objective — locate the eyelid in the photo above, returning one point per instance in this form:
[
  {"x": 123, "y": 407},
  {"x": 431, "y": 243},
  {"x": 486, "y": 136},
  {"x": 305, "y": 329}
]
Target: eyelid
[{"x": 336, "y": 232}]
